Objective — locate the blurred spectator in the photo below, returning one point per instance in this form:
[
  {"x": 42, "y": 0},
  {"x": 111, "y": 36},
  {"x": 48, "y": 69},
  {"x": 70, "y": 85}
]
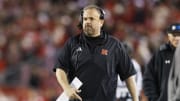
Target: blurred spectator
[{"x": 122, "y": 93}]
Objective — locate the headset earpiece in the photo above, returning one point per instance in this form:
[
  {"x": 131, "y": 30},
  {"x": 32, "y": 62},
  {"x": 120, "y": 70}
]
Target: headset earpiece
[
  {"x": 80, "y": 25},
  {"x": 102, "y": 13}
]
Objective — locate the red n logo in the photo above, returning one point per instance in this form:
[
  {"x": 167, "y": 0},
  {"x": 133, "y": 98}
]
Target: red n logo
[{"x": 104, "y": 52}]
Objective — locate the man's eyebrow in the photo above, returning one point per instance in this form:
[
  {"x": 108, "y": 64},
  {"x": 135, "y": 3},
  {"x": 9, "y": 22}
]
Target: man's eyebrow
[{"x": 89, "y": 17}]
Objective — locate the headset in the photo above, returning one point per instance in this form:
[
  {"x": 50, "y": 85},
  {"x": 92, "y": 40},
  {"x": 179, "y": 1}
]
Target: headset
[{"x": 100, "y": 10}]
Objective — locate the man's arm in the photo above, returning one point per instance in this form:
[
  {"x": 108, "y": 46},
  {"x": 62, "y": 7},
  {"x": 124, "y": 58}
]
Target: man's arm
[
  {"x": 63, "y": 81},
  {"x": 130, "y": 82}
]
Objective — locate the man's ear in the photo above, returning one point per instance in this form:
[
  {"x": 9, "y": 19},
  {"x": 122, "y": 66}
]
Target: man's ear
[{"x": 102, "y": 22}]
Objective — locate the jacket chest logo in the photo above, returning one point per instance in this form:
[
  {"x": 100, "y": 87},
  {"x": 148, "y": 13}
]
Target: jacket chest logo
[
  {"x": 167, "y": 61},
  {"x": 104, "y": 52}
]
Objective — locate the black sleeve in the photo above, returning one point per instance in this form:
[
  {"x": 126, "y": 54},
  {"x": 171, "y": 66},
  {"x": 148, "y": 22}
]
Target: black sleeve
[
  {"x": 124, "y": 67},
  {"x": 150, "y": 80},
  {"x": 63, "y": 59}
]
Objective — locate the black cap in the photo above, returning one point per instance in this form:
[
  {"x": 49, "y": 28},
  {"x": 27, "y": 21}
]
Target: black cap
[{"x": 174, "y": 29}]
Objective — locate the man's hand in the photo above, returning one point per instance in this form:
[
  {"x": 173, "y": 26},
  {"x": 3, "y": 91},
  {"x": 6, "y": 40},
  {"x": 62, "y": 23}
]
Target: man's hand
[
  {"x": 68, "y": 90},
  {"x": 72, "y": 93}
]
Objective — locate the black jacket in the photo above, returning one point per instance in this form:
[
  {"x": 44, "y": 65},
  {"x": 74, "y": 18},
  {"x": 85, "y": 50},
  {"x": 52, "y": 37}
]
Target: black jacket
[
  {"x": 96, "y": 62},
  {"x": 156, "y": 73}
]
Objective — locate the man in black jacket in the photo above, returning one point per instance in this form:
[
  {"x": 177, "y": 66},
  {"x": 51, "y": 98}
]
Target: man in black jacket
[
  {"x": 157, "y": 71},
  {"x": 96, "y": 58}
]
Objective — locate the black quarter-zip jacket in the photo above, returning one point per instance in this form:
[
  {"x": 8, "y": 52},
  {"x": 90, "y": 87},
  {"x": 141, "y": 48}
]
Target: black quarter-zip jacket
[
  {"x": 96, "y": 62},
  {"x": 157, "y": 72}
]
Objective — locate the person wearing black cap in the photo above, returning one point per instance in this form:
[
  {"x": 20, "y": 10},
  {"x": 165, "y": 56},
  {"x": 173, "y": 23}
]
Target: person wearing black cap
[{"x": 155, "y": 79}]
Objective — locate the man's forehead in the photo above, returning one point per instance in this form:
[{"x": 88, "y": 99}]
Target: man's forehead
[
  {"x": 91, "y": 13},
  {"x": 176, "y": 34}
]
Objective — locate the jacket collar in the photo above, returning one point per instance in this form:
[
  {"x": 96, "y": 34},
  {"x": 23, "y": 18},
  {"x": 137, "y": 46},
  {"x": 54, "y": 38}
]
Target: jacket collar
[
  {"x": 102, "y": 39},
  {"x": 171, "y": 46}
]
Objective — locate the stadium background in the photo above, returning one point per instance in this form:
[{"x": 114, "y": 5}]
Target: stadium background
[{"x": 32, "y": 33}]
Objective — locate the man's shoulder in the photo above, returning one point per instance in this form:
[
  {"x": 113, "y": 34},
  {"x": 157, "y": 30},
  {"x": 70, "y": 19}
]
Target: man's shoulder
[
  {"x": 164, "y": 47},
  {"x": 114, "y": 39},
  {"x": 74, "y": 39}
]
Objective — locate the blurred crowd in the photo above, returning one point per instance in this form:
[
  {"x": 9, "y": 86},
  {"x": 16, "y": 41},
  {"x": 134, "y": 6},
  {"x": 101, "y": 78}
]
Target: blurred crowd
[{"x": 32, "y": 33}]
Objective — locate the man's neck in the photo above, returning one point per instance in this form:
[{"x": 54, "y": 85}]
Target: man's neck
[{"x": 93, "y": 35}]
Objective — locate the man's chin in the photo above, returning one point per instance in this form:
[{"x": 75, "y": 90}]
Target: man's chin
[{"x": 89, "y": 33}]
